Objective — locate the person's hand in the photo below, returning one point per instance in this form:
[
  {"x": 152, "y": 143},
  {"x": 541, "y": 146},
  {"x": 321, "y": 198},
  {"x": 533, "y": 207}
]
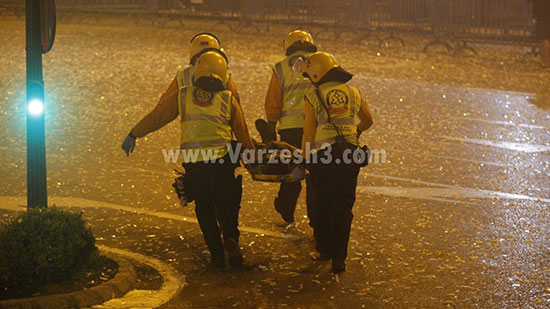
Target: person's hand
[
  {"x": 299, "y": 173},
  {"x": 129, "y": 144}
]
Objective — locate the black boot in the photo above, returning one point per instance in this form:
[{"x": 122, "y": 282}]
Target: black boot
[
  {"x": 323, "y": 256},
  {"x": 279, "y": 207},
  {"x": 338, "y": 266},
  {"x": 218, "y": 262},
  {"x": 234, "y": 253}
]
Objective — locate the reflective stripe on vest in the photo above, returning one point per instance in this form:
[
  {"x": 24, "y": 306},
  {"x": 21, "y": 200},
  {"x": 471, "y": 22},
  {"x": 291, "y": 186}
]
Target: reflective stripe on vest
[
  {"x": 292, "y": 112},
  {"x": 343, "y": 103},
  {"x": 184, "y": 77},
  {"x": 215, "y": 119},
  {"x": 294, "y": 87},
  {"x": 204, "y": 144},
  {"x": 205, "y": 121}
]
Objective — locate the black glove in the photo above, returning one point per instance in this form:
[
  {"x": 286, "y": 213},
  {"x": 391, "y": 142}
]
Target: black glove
[
  {"x": 272, "y": 130},
  {"x": 129, "y": 143}
]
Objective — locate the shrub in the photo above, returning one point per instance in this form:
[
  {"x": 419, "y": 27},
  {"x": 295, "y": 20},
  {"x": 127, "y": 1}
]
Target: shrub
[{"x": 44, "y": 246}]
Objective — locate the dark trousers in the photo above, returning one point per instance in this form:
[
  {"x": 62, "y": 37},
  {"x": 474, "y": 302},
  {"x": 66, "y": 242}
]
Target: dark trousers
[
  {"x": 217, "y": 201},
  {"x": 285, "y": 202},
  {"x": 334, "y": 186}
]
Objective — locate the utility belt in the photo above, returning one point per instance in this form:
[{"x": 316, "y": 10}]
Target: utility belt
[
  {"x": 344, "y": 152},
  {"x": 183, "y": 187},
  {"x": 187, "y": 187}
]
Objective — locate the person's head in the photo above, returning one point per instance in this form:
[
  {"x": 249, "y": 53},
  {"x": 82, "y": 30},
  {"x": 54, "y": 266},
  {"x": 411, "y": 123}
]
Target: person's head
[
  {"x": 298, "y": 40},
  {"x": 211, "y": 72},
  {"x": 321, "y": 67},
  {"x": 200, "y": 44}
]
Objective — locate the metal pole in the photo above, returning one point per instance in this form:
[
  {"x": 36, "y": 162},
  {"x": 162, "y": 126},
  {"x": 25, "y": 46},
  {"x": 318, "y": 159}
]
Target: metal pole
[{"x": 36, "y": 136}]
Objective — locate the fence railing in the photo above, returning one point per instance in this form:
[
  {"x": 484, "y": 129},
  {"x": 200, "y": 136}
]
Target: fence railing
[{"x": 450, "y": 23}]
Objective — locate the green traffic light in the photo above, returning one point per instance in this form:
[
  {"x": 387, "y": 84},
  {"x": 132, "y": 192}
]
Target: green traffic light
[{"x": 35, "y": 107}]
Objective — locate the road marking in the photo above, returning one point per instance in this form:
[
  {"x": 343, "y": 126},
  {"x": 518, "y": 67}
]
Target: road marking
[
  {"x": 510, "y": 123},
  {"x": 447, "y": 157},
  {"x": 17, "y": 203},
  {"x": 465, "y": 191},
  {"x": 172, "y": 283},
  {"x": 170, "y": 174},
  {"x": 528, "y": 148},
  {"x": 425, "y": 193},
  {"x": 423, "y": 138},
  {"x": 460, "y": 191}
]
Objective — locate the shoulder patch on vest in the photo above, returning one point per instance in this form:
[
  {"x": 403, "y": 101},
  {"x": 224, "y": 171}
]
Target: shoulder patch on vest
[
  {"x": 338, "y": 101},
  {"x": 201, "y": 97}
]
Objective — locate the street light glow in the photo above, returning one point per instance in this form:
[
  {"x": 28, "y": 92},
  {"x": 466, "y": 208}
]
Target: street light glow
[{"x": 35, "y": 107}]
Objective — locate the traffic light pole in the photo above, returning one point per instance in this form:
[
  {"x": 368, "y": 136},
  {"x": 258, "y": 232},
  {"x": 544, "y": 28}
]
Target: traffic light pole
[{"x": 36, "y": 135}]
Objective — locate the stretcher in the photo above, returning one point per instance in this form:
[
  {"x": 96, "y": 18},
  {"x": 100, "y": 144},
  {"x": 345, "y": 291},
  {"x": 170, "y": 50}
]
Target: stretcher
[{"x": 273, "y": 167}]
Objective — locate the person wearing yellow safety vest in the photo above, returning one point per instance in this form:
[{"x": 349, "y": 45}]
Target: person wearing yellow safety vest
[
  {"x": 199, "y": 44},
  {"x": 284, "y": 104},
  {"x": 331, "y": 129},
  {"x": 210, "y": 115}
]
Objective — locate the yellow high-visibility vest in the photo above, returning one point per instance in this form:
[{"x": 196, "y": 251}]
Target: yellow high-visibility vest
[
  {"x": 294, "y": 86},
  {"x": 343, "y": 103},
  {"x": 185, "y": 77},
  {"x": 205, "y": 121}
]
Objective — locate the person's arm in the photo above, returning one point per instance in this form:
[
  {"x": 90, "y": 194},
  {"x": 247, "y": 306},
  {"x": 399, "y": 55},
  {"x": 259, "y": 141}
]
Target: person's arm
[
  {"x": 238, "y": 124},
  {"x": 173, "y": 87},
  {"x": 274, "y": 100},
  {"x": 310, "y": 127},
  {"x": 161, "y": 115},
  {"x": 233, "y": 88},
  {"x": 365, "y": 116}
]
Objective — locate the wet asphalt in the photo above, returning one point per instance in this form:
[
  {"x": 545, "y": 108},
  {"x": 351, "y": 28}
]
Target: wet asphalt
[{"x": 457, "y": 215}]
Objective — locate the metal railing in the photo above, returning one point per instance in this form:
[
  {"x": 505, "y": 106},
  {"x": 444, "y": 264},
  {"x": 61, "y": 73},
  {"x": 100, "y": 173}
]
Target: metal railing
[{"x": 451, "y": 23}]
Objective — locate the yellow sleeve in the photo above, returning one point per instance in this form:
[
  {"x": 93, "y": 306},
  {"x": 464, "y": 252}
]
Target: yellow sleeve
[
  {"x": 165, "y": 112},
  {"x": 310, "y": 127}
]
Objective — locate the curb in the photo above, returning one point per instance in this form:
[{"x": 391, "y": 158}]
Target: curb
[
  {"x": 17, "y": 203},
  {"x": 123, "y": 281}
]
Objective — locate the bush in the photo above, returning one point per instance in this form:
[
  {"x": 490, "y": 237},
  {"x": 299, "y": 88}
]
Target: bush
[{"x": 44, "y": 246}]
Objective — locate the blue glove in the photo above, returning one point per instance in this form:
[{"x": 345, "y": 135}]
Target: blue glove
[{"x": 129, "y": 144}]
